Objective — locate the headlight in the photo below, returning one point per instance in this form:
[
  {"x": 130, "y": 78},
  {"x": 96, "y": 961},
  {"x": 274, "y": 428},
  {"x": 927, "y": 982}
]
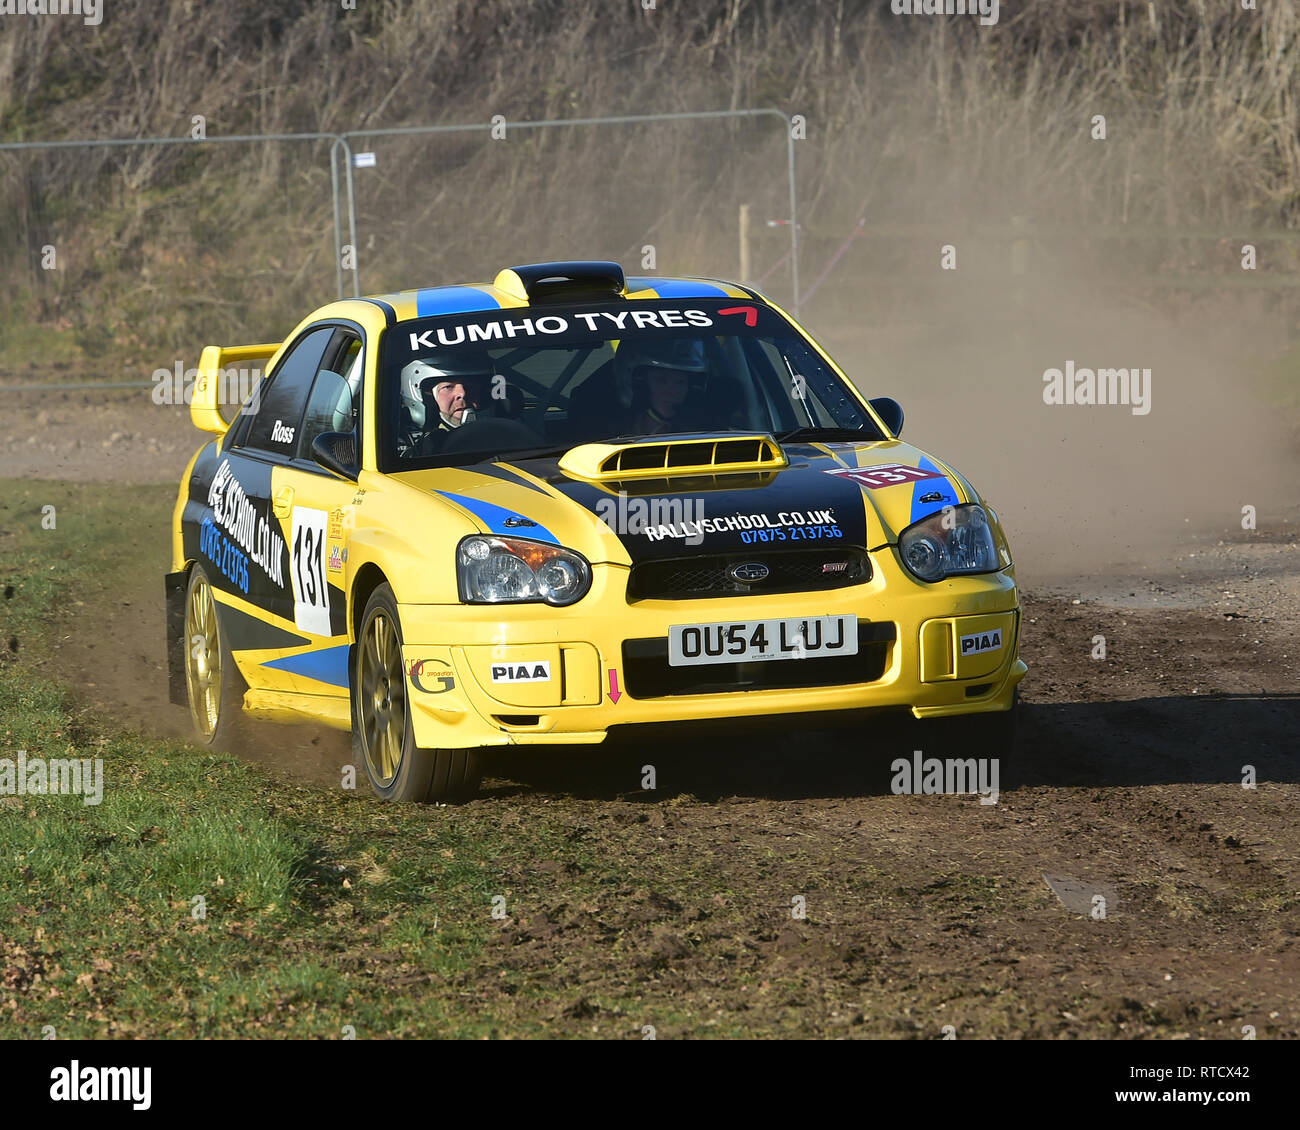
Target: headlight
[
  {"x": 956, "y": 540},
  {"x": 494, "y": 570}
]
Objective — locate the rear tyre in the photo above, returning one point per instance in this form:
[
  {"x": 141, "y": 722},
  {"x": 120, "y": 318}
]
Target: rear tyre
[
  {"x": 214, "y": 688},
  {"x": 383, "y": 740}
]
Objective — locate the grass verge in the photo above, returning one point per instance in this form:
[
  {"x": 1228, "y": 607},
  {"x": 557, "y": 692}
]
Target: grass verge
[{"x": 201, "y": 898}]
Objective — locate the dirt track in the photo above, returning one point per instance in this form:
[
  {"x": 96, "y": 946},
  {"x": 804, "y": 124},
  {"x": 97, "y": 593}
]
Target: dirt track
[{"x": 922, "y": 911}]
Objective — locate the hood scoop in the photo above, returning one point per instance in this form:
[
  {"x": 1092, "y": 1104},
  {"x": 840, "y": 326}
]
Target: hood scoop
[{"x": 599, "y": 462}]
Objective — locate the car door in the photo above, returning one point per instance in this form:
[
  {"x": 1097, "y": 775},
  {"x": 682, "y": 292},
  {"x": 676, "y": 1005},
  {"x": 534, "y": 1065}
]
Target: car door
[
  {"x": 257, "y": 607},
  {"x": 317, "y": 510}
]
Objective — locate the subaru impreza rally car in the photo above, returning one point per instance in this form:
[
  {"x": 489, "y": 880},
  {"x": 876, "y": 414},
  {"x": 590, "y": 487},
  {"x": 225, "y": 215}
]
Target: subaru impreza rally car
[{"x": 528, "y": 512}]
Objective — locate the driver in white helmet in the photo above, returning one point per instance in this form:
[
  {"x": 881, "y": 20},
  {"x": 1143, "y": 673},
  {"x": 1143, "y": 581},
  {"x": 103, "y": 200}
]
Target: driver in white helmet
[{"x": 440, "y": 394}]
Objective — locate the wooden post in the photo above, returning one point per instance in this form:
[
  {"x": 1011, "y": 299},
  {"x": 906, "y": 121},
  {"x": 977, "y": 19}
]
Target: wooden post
[
  {"x": 744, "y": 243},
  {"x": 1019, "y": 250},
  {"x": 1019, "y": 270}
]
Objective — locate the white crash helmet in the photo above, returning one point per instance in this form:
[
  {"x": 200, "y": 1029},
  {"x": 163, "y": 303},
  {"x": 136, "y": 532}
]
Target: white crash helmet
[{"x": 446, "y": 367}]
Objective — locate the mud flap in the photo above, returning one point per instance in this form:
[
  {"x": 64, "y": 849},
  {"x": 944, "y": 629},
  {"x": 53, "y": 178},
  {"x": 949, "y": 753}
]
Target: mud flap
[{"x": 174, "y": 587}]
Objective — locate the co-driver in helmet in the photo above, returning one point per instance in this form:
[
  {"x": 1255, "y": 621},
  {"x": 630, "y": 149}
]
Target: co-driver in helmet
[{"x": 655, "y": 380}]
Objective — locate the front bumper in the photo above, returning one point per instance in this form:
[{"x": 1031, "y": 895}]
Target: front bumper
[{"x": 531, "y": 674}]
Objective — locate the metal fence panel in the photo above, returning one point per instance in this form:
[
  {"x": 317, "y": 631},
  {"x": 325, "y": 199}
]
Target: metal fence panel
[
  {"x": 124, "y": 248},
  {"x": 642, "y": 207}
]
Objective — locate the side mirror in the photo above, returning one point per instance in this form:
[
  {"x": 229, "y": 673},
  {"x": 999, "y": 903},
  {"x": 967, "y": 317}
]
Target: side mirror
[
  {"x": 890, "y": 411},
  {"x": 337, "y": 452}
]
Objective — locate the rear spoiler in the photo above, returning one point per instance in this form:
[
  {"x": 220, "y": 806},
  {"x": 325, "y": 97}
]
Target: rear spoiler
[{"x": 226, "y": 379}]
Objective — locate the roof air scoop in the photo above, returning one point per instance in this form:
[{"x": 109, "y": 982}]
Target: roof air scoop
[{"x": 586, "y": 281}]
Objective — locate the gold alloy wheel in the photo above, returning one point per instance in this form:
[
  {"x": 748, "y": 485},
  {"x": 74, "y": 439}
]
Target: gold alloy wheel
[
  {"x": 382, "y": 702},
  {"x": 203, "y": 658}
]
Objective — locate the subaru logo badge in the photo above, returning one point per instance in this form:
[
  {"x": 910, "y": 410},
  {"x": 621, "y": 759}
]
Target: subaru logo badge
[{"x": 749, "y": 573}]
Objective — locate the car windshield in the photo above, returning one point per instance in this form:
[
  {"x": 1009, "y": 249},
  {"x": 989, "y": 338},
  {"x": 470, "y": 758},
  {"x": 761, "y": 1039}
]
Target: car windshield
[{"x": 456, "y": 389}]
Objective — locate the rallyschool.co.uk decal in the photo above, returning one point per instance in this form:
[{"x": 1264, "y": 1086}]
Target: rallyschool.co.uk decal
[
  {"x": 237, "y": 516},
  {"x": 885, "y": 475},
  {"x": 793, "y": 525},
  {"x": 504, "y": 329}
]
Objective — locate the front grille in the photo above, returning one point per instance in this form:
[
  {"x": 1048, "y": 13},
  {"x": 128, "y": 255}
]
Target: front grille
[
  {"x": 802, "y": 570},
  {"x": 647, "y": 674}
]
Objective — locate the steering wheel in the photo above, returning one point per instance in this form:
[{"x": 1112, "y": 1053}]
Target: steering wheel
[{"x": 491, "y": 433}]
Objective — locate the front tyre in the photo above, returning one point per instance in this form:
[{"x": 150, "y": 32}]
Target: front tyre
[
  {"x": 383, "y": 740},
  {"x": 214, "y": 688}
]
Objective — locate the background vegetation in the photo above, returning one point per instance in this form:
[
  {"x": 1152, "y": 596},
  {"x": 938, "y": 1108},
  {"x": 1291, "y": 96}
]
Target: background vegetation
[{"x": 911, "y": 121}]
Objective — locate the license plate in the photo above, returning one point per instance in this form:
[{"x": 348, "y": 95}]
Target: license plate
[{"x": 751, "y": 641}]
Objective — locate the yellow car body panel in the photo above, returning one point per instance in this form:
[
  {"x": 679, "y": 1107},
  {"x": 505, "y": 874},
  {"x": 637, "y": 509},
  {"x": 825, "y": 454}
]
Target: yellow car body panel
[{"x": 338, "y": 539}]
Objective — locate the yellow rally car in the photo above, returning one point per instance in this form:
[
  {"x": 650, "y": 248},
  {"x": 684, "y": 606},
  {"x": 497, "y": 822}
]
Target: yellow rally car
[{"x": 524, "y": 513}]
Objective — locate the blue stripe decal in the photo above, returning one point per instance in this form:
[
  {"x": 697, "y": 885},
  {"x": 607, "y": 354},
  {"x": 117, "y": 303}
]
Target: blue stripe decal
[
  {"x": 678, "y": 288},
  {"x": 494, "y": 518},
  {"x": 453, "y": 300},
  {"x": 930, "y": 486},
  {"x": 325, "y": 665}
]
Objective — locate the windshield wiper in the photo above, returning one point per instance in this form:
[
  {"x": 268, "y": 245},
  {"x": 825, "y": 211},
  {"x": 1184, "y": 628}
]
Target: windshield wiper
[
  {"x": 548, "y": 452},
  {"x": 552, "y": 451},
  {"x": 824, "y": 434}
]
